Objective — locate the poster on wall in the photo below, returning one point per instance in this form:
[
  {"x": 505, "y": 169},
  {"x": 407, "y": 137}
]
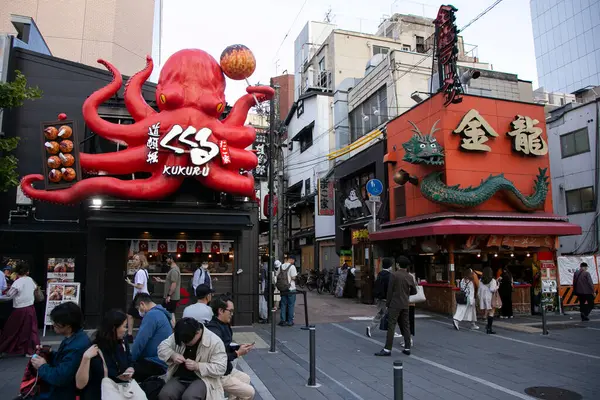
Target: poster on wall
[
  {"x": 58, "y": 293},
  {"x": 60, "y": 270},
  {"x": 567, "y": 265}
]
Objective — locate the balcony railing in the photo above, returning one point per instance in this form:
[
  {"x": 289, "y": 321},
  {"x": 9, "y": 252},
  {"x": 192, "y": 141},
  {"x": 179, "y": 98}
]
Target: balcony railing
[{"x": 316, "y": 81}]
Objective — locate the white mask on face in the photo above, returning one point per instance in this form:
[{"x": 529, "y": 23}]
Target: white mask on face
[{"x": 204, "y": 266}]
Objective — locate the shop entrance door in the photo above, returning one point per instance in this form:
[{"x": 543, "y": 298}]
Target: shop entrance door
[{"x": 115, "y": 289}]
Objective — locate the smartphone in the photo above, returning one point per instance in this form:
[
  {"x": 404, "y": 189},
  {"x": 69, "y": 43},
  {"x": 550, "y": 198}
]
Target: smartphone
[{"x": 252, "y": 344}]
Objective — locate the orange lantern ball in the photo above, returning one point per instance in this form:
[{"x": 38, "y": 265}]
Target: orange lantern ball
[{"x": 238, "y": 62}]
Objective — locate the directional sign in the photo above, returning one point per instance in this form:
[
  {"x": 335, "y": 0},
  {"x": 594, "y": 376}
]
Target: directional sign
[
  {"x": 374, "y": 187},
  {"x": 375, "y": 198}
]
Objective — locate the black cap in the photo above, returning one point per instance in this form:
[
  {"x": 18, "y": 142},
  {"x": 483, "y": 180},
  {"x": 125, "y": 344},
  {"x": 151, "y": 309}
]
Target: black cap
[
  {"x": 387, "y": 263},
  {"x": 203, "y": 290}
]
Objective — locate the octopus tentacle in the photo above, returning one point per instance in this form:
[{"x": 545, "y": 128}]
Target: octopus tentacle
[
  {"x": 239, "y": 112},
  {"x": 128, "y": 161},
  {"x": 134, "y": 101},
  {"x": 223, "y": 180},
  {"x": 242, "y": 159},
  {"x": 131, "y": 134}
]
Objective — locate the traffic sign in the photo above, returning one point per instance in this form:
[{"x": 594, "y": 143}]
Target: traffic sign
[
  {"x": 374, "y": 187},
  {"x": 375, "y": 199}
]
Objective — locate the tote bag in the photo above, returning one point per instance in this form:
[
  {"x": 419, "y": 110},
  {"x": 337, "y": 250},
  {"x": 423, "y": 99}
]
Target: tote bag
[
  {"x": 419, "y": 297},
  {"x": 112, "y": 390}
]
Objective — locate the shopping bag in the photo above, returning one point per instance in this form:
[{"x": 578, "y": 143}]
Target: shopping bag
[
  {"x": 262, "y": 307},
  {"x": 419, "y": 297},
  {"x": 383, "y": 324}
]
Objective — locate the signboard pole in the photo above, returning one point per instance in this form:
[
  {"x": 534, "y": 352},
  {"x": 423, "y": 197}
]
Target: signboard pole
[
  {"x": 271, "y": 255},
  {"x": 374, "y": 216}
]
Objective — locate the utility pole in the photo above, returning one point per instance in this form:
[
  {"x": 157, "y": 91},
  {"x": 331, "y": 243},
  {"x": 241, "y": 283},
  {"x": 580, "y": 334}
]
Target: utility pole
[{"x": 271, "y": 216}]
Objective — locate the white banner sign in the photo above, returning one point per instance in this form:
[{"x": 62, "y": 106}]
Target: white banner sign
[{"x": 567, "y": 265}]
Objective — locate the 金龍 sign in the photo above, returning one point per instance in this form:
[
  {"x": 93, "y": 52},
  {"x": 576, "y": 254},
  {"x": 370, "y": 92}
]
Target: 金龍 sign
[
  {"x": 527, "y": 137},
  {"x": 474, "y": 129}
]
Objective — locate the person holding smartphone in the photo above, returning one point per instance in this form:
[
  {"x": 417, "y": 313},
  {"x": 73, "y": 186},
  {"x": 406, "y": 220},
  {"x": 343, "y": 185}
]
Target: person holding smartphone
[{"x": 109, "y": 339}]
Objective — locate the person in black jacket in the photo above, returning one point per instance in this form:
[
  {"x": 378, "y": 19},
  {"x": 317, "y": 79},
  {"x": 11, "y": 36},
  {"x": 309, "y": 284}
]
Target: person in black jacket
[
  {"x": 380, "y": 292},
  {"x": 235, "y": 383}
]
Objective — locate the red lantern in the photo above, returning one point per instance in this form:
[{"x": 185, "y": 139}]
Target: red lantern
[{"x": 266, "y": 205}]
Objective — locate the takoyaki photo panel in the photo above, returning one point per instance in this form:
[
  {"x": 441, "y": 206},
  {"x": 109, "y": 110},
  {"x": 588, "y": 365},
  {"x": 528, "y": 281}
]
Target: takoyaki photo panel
[{"x": 60, "y": 154}]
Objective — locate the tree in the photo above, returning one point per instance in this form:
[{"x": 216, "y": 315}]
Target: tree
[{"x": 12, "y": 94}]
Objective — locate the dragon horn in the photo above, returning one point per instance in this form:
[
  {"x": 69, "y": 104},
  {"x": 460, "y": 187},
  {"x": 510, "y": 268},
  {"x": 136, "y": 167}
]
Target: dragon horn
[
  {"x": 434, "y": 129},
  {"x": 416, "y": 130}
]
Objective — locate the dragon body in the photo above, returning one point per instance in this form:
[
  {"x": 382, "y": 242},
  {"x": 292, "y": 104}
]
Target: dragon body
[
  {"x": 433, "y": 188},
  {"x": 424, "y": 149}
]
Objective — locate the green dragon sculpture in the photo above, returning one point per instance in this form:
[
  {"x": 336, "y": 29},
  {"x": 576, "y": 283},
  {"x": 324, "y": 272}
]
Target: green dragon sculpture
[
  {"x": 420, "y": 150},
  {"x": 423, "y": 149}
]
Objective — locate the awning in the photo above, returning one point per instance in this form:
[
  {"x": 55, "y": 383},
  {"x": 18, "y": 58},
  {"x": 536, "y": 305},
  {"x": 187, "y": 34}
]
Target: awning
[{"x": 453, "y": 226}]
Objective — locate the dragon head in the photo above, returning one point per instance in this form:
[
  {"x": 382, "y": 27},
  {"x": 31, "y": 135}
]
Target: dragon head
[{"x": 423, "y": 149}]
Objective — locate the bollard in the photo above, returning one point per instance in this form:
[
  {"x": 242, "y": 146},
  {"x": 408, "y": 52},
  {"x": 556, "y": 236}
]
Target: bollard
[
  {"x": 305, "y": 309},
  {"x": 544, "y": 328},
  {"x": 273, "y": 313},
  {"x": 398, "y": 381},
  {"x": 312, "y": 378}
]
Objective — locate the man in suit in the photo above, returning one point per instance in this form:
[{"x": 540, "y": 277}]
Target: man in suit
[{"x": 401, "y": 286}]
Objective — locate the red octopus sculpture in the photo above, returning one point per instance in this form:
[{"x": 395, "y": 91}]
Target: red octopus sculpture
[{"x": 190, "y": 93}]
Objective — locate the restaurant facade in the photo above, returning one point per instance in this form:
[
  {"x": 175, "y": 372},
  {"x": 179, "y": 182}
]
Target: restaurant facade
[
  {"x": 141, "y": 178},
  {"x": 469, "y": 187}
]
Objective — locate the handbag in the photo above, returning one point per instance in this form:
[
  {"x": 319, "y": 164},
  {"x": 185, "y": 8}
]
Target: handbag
[
  {"x": 38, "y": 294},
  {"x": 383, "y": 324},
  {"x": 461, "y": 296},
  {"x": 111, "y": 390},
  {"x": 496, "y": 300},
  {"x": 419, "y": 297}
]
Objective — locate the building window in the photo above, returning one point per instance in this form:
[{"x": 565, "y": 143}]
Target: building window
[
  {"x": 380, "y": 50},
  {"x": 300, "y": 108},
  {"x": 574, "y": 143},
  {"x": 369, "y": 115},
  {"x": 405, "y": 47},
  {"x": 580, "y": 200},
  {"x": 305, "y": 137},
  {"x": 322, "y": 64},
  {"x": 307, "y": 190},
  {"x": 420, "y": 44}
]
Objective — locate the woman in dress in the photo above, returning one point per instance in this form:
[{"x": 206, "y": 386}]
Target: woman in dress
[
  {"x": 20, "y": 334},
  {"x": 506, "y": 289},
  {"x": 115, "y": 350},
  {"x": 487, "y": 288},
  {"x": 466, "y": 312}
]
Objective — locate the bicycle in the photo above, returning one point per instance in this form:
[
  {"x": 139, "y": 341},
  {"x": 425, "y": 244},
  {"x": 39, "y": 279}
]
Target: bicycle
[{"x": 302, "y": 280}]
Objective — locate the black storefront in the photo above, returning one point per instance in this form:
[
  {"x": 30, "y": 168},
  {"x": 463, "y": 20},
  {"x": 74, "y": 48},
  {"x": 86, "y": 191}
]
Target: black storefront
[
  {"x": 102, "y": 237},
  {"x": 353, "y": 215}
]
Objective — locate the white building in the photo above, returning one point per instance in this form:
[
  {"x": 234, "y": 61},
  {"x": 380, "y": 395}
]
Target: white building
[{"x": 573, "y": 149}]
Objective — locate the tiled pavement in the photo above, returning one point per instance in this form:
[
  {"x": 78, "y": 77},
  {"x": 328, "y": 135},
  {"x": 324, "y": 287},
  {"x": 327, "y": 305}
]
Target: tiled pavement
[{"x": 445, "y": 364}]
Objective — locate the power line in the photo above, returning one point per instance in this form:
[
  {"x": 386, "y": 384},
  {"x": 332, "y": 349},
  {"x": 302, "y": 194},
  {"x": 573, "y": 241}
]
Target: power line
[{"x": 290, "y": 29}]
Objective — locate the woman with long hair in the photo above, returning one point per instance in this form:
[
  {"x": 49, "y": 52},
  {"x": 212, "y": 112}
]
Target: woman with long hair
[
  {"x": 466, "y": 312},
  {"x": 487, "y": 288},
  {"x": 140, "y": 285},
  {"x": 109, "y": 341},
  {"x": 506, "y": 289},
  {"x": 20, "y": 334}
]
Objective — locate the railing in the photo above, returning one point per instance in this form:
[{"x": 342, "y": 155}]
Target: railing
[{"x": 316, "y": 80}]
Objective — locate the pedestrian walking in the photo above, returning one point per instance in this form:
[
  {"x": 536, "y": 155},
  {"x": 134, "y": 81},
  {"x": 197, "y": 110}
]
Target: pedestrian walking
[
  {"x": 276, "y": 292},
  {"x": 487, "y": 287},
  {"x": 380, "y": 290},
  {"x": 20, "y": 335},
  {"x": 401, "y": 286},
  {"x": 505, "y": 289},
  {"x": 140, "y": 285},
  {"x": 201, "y": 277},
  {"x": 583, "y": 287},
  {"x": 466, "y": 312},
  {"x": 286, "y": 283},
  {"x": 172, "y": 287}
]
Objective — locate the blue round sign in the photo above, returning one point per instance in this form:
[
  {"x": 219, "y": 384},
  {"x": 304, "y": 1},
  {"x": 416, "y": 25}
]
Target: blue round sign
[{"x": 374, "y": 187}]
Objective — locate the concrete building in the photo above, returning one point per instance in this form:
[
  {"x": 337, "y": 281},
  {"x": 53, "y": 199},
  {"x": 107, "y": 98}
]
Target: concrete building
[
  {"x": 83, "y": 31},
  {"x": 574, "y": 149},
  {"x": 567, "y": 43}
]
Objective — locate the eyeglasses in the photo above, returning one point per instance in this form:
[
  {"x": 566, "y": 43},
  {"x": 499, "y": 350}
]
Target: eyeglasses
[{"x": 231, "y": 310}]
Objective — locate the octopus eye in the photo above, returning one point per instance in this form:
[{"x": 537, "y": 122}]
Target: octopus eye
[
  {"x": 220, "y": 107},
  {"x": 163, "y": 99}
]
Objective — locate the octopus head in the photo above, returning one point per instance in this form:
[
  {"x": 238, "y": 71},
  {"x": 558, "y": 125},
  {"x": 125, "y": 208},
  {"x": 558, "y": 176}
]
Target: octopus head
[{"x": 191, "y": 78}]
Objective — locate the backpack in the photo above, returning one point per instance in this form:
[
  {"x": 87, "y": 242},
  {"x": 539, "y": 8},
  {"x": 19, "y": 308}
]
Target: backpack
[
  {"x": 379, "y": 291},
  {"x": 149, "y": 283},
  {"x": 283, "y": 283}
]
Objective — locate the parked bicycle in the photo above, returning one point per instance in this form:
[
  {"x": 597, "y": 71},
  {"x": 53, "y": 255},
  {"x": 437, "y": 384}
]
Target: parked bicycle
[{"x": 301, "y": 280}]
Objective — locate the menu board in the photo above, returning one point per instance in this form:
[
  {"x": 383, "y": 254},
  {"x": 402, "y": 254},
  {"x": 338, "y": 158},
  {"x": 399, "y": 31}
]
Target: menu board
[
  {"x": 60, "y": 270},
  {"x": 58, "y": 293},
  {"x": 61, "y": 155}
]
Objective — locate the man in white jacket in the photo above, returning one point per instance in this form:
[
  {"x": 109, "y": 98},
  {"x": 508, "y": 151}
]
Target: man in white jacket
[{"x": 196, "y": 360}]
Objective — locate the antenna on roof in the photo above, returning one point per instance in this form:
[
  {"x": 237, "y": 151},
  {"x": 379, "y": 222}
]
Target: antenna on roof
[{"x": 329, "y": 15}]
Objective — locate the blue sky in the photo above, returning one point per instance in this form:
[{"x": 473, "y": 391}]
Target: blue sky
[{"x": 503, "y": 36}]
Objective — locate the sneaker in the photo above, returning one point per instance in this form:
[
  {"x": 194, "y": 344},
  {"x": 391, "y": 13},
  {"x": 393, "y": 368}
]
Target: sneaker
[
  {"x": 474, "y": 326},
  {"x": 384, "y": 353},
  {"x": 289, "y": 324},
  {"x": 368, "y": 333},
  {"x": 406, "y": 351},
  {"x": 455, "y": 323},
  {"x": 397, "y": 335},
  {"x": 281, "y": 323}
]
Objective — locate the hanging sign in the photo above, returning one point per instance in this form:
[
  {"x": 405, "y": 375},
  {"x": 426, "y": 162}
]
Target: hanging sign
[
  {"x": 260, "y": 147},
  {"x": 446, "y": 36},
  {"x": 326, "y": 196}
]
